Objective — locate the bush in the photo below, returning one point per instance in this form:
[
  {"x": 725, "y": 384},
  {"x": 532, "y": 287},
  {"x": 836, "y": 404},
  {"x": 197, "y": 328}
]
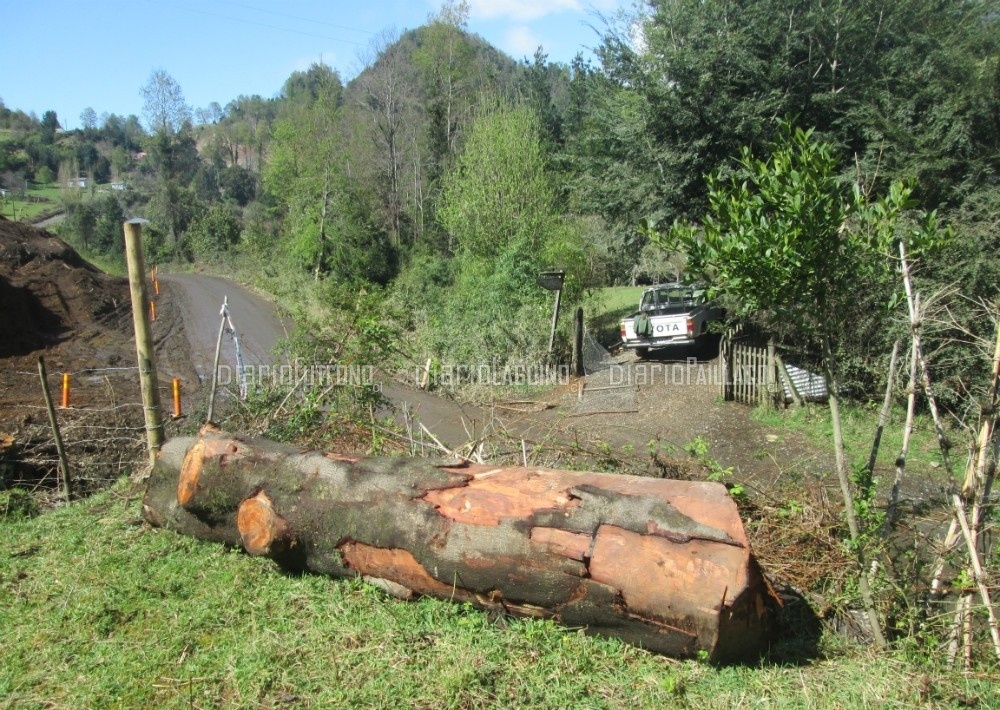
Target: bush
[{"x": 17, "y": 504}]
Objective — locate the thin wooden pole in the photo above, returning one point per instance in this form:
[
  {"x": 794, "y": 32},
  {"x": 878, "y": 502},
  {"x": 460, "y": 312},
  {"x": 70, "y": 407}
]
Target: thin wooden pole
[
  {"x": 883, "y": 416},
  {"x": 845, "y": 489},
  {"x": 215, "y": 365},
  {"x": 60, "y": 450},
  {"x": 65, "y": 391},
  {"x": 145, "y": 353},
  {"x": 177, "y": 397},
  {"x": 555, "y": 318},
  {"x": 578, "y": 370}
]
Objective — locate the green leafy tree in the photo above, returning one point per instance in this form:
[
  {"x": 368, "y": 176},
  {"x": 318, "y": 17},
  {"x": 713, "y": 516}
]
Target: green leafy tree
[
  {"x": 787, "y": 240},
  {"x": 328, "y": 224},
  {"x": 213, "y": 231},
  {"x": 498, "y": 208},
  {"x": 498, "y": 198},
  {"x": 907, "y": 89}
]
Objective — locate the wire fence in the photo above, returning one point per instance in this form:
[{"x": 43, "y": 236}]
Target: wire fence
[
  {"x": 103, "y": 430},
  {"x": 602, "y": 389}
]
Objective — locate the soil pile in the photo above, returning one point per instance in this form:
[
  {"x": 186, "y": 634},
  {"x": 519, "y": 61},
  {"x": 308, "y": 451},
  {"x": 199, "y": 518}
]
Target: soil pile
[{"x": 50, "y": 294}]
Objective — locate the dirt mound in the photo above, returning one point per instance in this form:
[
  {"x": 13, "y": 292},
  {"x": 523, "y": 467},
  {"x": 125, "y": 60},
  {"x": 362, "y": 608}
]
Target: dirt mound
[{"x": 49, "y": 292}]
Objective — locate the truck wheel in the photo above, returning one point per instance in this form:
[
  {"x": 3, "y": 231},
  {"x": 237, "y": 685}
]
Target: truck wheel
[{"x": 642, "y": 352}]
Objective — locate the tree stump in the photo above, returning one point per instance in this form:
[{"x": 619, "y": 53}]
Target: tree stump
[{"x": 662, "y": 564}]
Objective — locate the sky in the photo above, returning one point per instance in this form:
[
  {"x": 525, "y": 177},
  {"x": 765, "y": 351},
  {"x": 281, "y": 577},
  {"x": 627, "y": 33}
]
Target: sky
[{"x": 70, "y": 55}]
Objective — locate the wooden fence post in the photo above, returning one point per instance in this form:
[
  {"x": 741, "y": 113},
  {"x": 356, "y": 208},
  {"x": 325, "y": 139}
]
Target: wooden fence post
[
  {"x": 60, "y": 450},
  {"x": 578, "y": 369},
  {"x": 145, "y": 353}
]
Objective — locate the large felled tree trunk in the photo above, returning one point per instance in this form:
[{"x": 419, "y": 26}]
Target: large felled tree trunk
[{"x": 662, "y": 564}]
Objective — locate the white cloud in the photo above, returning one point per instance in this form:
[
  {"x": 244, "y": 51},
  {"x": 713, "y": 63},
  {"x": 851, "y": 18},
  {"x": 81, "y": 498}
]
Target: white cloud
[
  {"x": 520, "y": 42},
  {"x": 521, "y": 10}
]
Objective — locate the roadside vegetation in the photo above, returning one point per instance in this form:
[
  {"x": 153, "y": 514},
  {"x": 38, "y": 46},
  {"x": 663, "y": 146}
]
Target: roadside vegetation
[{"x": 403, "y": 217}]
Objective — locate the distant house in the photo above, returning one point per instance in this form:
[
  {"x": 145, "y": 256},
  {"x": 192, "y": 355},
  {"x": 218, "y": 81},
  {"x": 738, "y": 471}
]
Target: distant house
[
  {"x": 119, "y": 185},
  {"x": 4, "y": 192},
  {"x": 141, "y": 155},
  {"x": 77, "y": 182}
]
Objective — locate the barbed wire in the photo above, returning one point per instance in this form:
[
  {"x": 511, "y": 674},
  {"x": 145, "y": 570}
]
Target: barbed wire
[{"x": 103, "y": 434}]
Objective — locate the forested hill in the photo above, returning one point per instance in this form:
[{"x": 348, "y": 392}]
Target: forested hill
[{"x": 450, "y": 173}]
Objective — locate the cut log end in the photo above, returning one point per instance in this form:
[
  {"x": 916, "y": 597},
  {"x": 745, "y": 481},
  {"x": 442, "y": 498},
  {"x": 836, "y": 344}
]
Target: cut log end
[
  {"x": 262, "y": 530},
  {"x": 190, "y": 473}
]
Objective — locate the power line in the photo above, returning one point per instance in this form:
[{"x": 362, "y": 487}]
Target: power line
[{"x": 270, "y": 26}]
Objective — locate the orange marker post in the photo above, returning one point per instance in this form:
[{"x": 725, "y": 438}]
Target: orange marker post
[
  {"x": 177, "y": 398},
  {"x": 65, "y": 391},
  {"x": 152, "y": 310}
]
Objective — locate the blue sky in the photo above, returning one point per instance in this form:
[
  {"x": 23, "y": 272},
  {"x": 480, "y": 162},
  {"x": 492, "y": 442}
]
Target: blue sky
[{"x": 69, "y": 55}]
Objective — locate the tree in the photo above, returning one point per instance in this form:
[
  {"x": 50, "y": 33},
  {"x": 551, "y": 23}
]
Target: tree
[
  {"x": 497, "y": 198},
  {"x": 50, "y": 124},
  {"x": 88, "y": 119},
  {"x": 446, "y": 60},
  {"x": 328, "y": 224},
  {"x": 213, "y": 231},
  {"x": 163, "y": 103},
  {"x": 905, "y": 88},
  {"x": 787, "y": 240},
  {"x": 384, "y": 95},
  {"x": 497, "y": 207}
]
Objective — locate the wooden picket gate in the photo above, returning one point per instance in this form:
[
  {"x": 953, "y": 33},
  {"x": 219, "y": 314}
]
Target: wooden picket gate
[
  {"x": 753, "y": 372},
  {"x": 749, "y": 370}
]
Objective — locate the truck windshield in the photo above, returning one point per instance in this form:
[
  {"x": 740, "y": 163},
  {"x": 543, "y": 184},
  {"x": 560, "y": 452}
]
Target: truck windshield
[{"x": 672, "y": 298}]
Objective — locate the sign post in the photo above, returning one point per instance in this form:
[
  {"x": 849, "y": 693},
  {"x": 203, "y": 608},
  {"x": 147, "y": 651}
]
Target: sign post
[{"x": 552, "y": 281}]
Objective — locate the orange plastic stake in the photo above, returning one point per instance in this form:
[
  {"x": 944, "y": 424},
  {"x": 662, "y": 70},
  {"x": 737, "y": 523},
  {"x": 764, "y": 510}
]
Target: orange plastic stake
[
  {"x": 65, "y": 391},
  {"x": 156, "y": 286},
  {"x": 152, "y": 310},
  {"x": 177, "y": 397}
]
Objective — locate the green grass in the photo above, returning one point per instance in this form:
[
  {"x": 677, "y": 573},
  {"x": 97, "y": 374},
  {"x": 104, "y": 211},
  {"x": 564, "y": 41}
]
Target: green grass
[
  {"x": 42, "y": 199},
  {"x": 605, "y": 307},
  {"x": 99, "y": 610},
  {"x": 859, "y": 423}
]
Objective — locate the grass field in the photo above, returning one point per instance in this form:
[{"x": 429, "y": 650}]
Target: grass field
[
  {"x": 99, "y": 610},
  {"x": 605, "y": 307},
  {"x": 41, "y": 199},
  {"x": 859, "y": 423}
]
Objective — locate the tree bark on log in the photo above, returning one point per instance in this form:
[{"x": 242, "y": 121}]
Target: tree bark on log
[{"x": 662, "y": 564}]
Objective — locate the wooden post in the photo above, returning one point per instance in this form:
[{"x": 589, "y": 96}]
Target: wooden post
[
  {"x": 555, "y": 319},
  {"x": 771, "y": 399},
  {"x": 63, "y": 462},
  {"x": 578, "y": 369},
  {"x": 215, "y": 363},
  {"x": 145, "y": 353}
]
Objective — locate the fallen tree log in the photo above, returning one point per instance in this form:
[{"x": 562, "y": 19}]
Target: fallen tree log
[{"x": 662, "y": 564}]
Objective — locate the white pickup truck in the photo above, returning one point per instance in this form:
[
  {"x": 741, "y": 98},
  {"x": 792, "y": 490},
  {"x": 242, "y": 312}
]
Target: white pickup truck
[{"x": 669, "y": 314}]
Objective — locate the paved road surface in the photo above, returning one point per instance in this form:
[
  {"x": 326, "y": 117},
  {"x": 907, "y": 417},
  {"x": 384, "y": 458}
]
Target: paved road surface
[
  {"x": 199, "y": 299},
  {"x": 256, "y": 320}
]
